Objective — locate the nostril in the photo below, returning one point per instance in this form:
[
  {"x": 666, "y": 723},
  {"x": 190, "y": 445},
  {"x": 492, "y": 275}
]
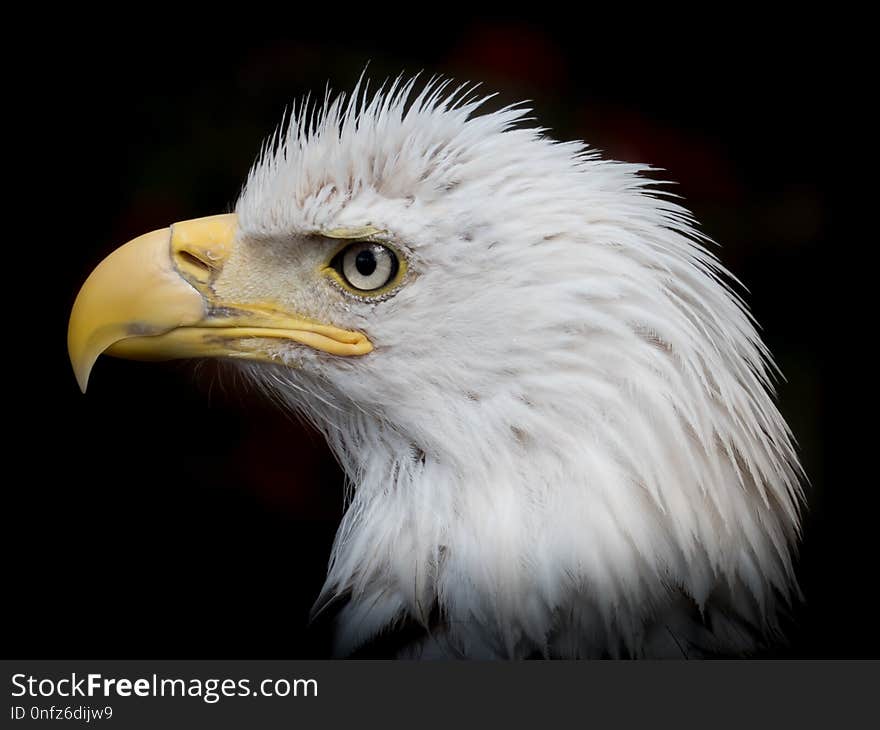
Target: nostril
[{"x": 193, "y": 260}]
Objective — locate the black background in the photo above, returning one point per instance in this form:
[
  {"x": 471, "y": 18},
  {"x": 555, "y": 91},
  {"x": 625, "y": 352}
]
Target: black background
[{"x": 168, "y": 513}]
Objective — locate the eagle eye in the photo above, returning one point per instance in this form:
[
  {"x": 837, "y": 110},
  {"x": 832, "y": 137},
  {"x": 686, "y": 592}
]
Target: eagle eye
[{"x": 365, "y": 266}]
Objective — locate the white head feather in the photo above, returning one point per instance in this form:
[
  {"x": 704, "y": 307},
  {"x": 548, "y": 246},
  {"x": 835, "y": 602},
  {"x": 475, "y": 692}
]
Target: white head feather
[{"x": 564, "y": 442}]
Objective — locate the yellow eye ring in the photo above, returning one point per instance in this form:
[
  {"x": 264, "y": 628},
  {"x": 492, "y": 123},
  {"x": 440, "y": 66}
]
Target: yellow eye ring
[{"x": 367, "y": 269}]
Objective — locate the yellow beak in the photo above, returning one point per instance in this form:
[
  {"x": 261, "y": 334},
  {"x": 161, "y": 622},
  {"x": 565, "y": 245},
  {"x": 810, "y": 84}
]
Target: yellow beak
[{"x": 153, "y": 299}]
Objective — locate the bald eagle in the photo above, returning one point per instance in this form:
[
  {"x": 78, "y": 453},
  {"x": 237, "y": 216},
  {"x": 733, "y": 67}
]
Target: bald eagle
[{"x": 554, "y": 412}]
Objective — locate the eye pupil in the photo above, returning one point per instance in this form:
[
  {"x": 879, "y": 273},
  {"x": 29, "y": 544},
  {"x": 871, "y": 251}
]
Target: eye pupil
[{"x": 365, "y": 262}]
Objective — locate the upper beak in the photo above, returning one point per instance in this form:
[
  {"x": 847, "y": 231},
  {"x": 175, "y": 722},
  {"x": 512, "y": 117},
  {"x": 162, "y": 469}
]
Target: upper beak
[{"x": 153, "y": 299}]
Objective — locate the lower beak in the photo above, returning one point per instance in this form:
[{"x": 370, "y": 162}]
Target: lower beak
[{"x": 153, "y": 299}]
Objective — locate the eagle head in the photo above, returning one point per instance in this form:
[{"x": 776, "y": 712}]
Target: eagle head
[{"x": 554, "y": 413}]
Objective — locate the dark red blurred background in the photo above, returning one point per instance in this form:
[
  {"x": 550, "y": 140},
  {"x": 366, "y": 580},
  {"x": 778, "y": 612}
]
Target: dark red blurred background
[{"x": 168, "y": 513}]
